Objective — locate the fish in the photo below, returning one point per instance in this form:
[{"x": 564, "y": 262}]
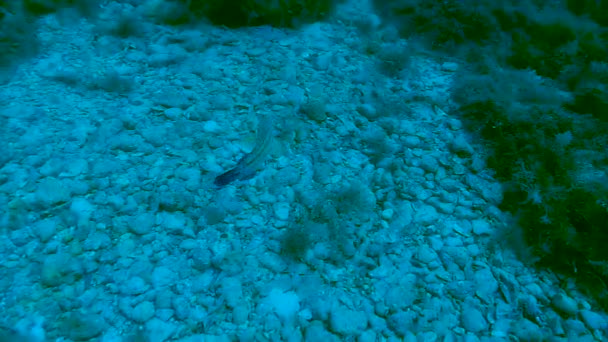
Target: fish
[{"x": 248, "y": 166}]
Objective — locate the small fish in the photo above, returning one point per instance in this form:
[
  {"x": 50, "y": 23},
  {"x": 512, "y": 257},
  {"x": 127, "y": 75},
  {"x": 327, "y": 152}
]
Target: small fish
[{"x": 248, "y": 165}]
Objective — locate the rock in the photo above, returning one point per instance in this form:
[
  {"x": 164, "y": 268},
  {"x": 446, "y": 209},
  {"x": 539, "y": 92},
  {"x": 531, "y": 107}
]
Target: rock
[
  {"x": 564, "y": 304},
  {"x": 143, "y": 312},
  {"x": 347, "y": 322},
  {"x": 593, "y": 320},
  {"x": 473, "y": 320}
]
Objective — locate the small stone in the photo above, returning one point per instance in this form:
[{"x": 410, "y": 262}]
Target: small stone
[
  {"x": 45, "y": 229},
  {"x": 347, "y": 322},
  {"x": 387, "y": 214},
  {"x": 315, "y": 109},
  {"x": 526, "y": 330},
  {"x": 449, "y": 66},
  {"x": 143, "y": 312},
  {"x": 143, "y": 223},
  {"x": 426, "y": 215},
  {"x": 368, "y": 336},
  {"x": 74, "y": 168},
  {"x": 429, "y": 164},
  {"x": 402, "y": 322},
  {"x": 368, "y": 111},
  {"x": 594, "y": 320},
  {"x": 411, "y": 141},
  {"x": 564, "y": 304},
  {"x": 232, "y": 291},
  {"x": 163, "y": 276},
  {"x": 134, "y": 286},
  {"x": 285, "y": 304},
  {"x": 51, "y": 192},
  {"x": 481, "y": 227},
  {"x": 426, "y": 255},
  {"x": 84, "y": 327},
  {"x": 174, "y": 113},
  {"x": 240, "y": 313},
  {"x": 281, "y": 210},
  {"x": 211, "y": 127},
  {"x": 159, "y": 330},
  {"x": 473, "y": 320}
]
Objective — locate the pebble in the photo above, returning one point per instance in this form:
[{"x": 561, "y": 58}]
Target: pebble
[
  {"x": 473, "y": 320},
  {"x": 481, "y": 227},
  {"x": 74, "y": 168},
  {"x": 402, "y": 322},
  {"x": 45, "y": 229},
  {"x": 143, "y": 312},
  {"x": 387, "y": 214},
  {"x": 142, "y": 223},
  {"x": 564, "y": 304},
  {"x": 232, "y": 291},
  {"x": 159, "y": 330},
  {"x": 347, "y": 322},
  {"x": 525, "y": 330},
  {"x": 84, "y": 327},
  {"x": 163, "y": 276},
  {"x": 486, "y": 284},
  {"x": 426, "y": 215},
  {"x": 368, "y": 111},
  {"x": 285, "y": 304},
  {"x": 51, "y": 191},
  {"x": 594, "y": 320},
  {"x": 281, "y": 211},
  {"x": 426, "y": 255},
  {"x": 429, "y": 164},
  {"x": 134, "y": 286},
  {"x": 449, "y": 66}
]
